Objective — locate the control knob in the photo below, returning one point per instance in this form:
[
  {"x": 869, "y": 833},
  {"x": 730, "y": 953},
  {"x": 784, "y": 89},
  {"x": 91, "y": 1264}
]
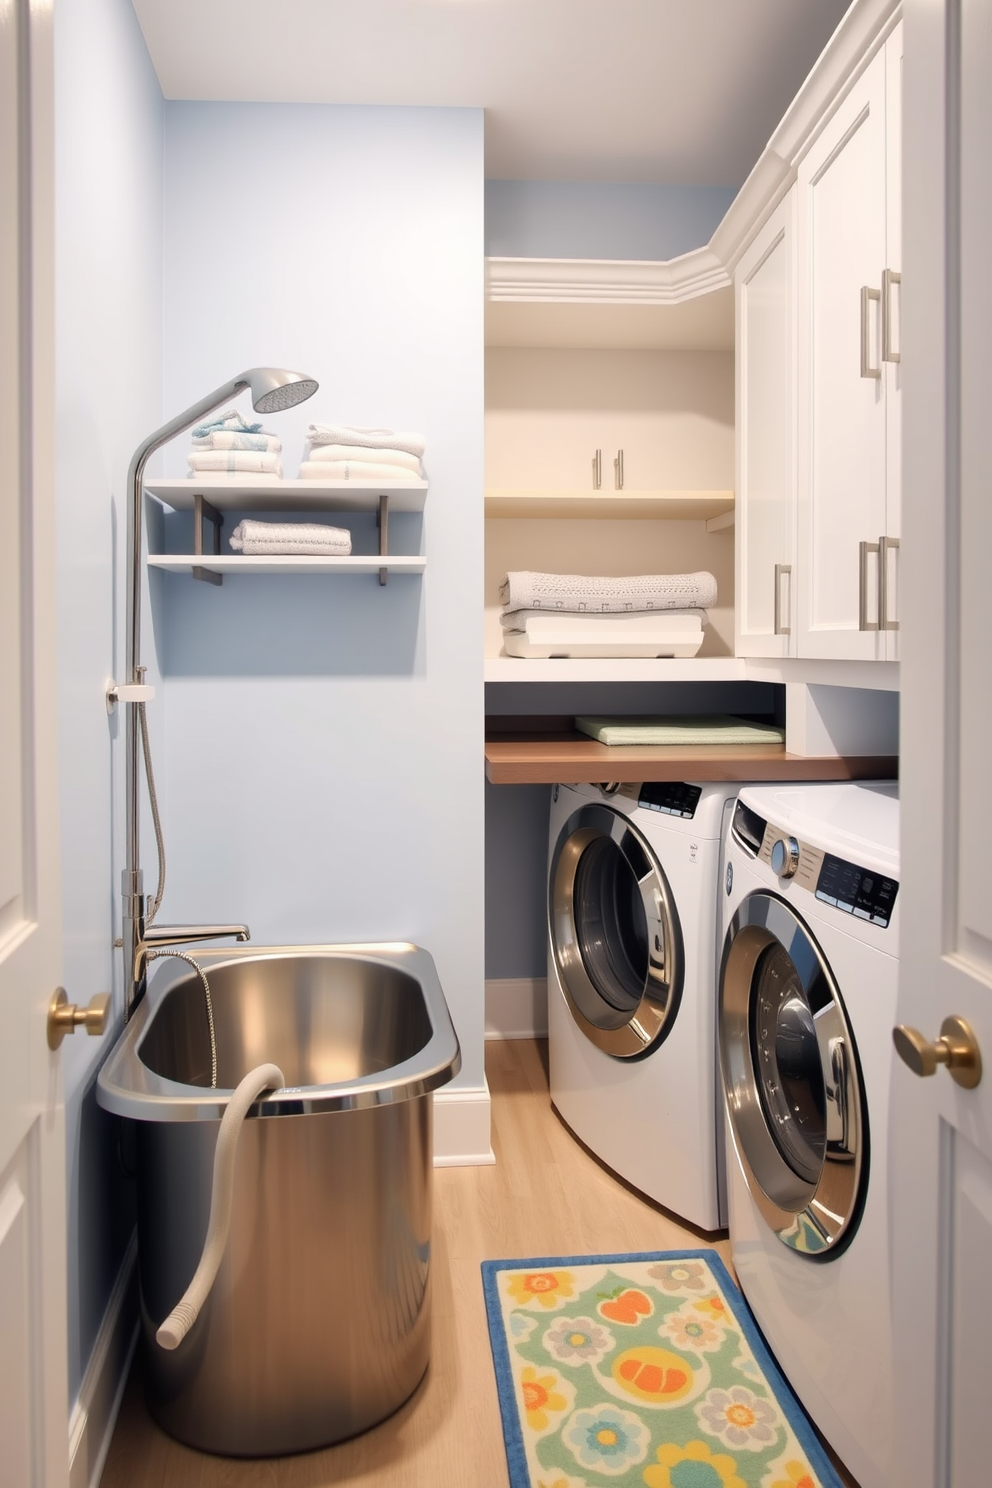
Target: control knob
[{"x": 785, "y": 856}]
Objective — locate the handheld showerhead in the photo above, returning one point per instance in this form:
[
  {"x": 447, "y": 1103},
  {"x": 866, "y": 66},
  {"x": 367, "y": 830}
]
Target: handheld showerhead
[{"x": 273, "y": 389}]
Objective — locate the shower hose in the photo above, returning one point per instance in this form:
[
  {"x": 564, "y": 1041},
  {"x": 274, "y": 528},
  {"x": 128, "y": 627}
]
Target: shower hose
[
  {"x": 182, "y": 1317},
  {"x": 265, "y": 1077}
]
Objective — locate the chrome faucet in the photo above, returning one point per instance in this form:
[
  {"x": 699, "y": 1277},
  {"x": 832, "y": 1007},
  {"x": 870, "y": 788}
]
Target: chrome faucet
[{"x": 141, "y": 941}]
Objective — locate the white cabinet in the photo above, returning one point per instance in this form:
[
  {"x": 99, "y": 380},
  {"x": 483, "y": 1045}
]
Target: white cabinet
[
  {"x": 765, "y": 291},
  {"x": 848, "y": 191}
]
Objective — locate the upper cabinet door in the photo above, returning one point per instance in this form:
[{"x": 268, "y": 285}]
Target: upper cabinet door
[
  {"x": 892, "y": 339},
  {"x": 765, "y": 288},
  {"x": 841, "y": 231}
]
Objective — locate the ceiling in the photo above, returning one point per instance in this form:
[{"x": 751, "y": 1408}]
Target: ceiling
[{"x": 677, "y": 91}]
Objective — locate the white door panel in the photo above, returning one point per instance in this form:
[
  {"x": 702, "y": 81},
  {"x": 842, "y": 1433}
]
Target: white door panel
[
  {"x": 841, "y": 230},
  {"x": 766, "y": 452},
  {"x": 33, "y": 1407},
  {"x": 941, "y": 1177}
]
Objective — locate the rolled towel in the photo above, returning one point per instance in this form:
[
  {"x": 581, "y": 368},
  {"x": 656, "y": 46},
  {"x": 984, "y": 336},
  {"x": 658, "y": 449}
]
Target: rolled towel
[
  {"x": 380, "y": 439},
  {"x": 369, "y": 456},
  {"x": 230, "y": 419},
  {"x": 658, "y": 622},
  {"x": 581, "y": 594},
  {"x": 229, "y": 461},
  {"x": 358, "y": 472},
  {"x": 230, "y": 439},
  {"x": 317, "y": 538}
]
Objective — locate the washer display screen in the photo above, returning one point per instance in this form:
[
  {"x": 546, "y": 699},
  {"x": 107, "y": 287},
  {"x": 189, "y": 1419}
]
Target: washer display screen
[
  {"x": 787, "y": 1062},
  {"x": 610, "y": 924}
]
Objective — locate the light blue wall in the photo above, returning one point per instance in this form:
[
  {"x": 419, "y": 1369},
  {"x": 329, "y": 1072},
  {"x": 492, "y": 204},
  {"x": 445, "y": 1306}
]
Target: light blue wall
[
  {"x": 600, "y": 219},
  {"x": 108, "y": 394},
  {"x": 323, "y": 748}
]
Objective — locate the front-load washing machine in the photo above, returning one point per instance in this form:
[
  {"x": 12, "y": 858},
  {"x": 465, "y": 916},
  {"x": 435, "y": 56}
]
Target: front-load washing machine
[
  {"x": 633, "y": 888},
  {"x": 807, "y": 1004}
]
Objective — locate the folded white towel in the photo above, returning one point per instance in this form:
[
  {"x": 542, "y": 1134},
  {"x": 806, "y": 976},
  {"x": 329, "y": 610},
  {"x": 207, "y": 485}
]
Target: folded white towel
[
  {"x": 581, "y": 594},
  {"x": 230, "y": 439},
  {"x": 230, "y": 461},
  {"x": 229, "y": 419},
  {"x": 648, "y": 622},
  {"x": 358, "y": 473},
  {"x": 381, "y": 439},
  {"x": 318, "y": 538},
  {"x": 369, "y": 456}
]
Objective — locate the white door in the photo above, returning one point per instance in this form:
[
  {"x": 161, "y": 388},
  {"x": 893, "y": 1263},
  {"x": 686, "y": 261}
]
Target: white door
[
  {"x": 891, "y": 289},
  {"x": 765, "y": 282},
  {"x": 841, "y": 213},
  {"x": 33, "y": 1407},
  {"x": 941, "y": 1158}
]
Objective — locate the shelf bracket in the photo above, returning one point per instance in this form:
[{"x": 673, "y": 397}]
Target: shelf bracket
[
  {"x": 382, "y": 522},
  {"x": 202, "y": 510}
]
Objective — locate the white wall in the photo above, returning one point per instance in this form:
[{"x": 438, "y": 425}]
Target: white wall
[
  {"x": 323, "y": 755},
  {"x": 108, "y": 350}
]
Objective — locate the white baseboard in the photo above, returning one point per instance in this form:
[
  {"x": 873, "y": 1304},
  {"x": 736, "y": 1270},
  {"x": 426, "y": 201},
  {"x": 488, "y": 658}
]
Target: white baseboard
[
  {"x": 517, "y": 1007},
  {"x": 461, "y": 1128},
  {"x": 94, "y": 1415}
]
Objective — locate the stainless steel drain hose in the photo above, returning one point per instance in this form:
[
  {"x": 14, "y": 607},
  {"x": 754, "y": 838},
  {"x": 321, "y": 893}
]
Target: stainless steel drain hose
[{"x": 182, "y": 956}]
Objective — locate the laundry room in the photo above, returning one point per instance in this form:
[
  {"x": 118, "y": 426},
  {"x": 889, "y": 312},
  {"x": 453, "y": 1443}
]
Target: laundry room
[{"x": 492, "y": 691}]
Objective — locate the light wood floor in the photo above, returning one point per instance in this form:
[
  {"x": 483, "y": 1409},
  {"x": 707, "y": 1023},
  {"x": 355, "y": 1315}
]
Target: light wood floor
[{"x": 545, "y": 1196}]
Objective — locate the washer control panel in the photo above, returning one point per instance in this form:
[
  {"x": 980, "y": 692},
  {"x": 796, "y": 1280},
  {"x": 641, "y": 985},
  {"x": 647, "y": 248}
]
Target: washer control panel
[
  {"x": 847, "y": 886},
  {"x": 859, "y": 892},
  {"x": 671, "y": 797}
]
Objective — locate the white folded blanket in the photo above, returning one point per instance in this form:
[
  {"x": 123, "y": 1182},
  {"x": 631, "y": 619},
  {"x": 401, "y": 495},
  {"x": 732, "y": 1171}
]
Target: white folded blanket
[
  {"x": 369, "y": 456},
  {"x": 318, "y": 538},
  {"x": 234, "y": 460},
  {"x": 230, "y": 439},
  {"x": 581, "y": 594},
  {"x": 359, "y": 472},
  {"x": 380, "y": 439},
  {"x": 566, "y": 622}
]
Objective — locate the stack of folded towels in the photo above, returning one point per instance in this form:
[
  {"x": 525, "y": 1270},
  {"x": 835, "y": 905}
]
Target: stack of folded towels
[
  {"x": 546, "y": 615},
  {"x": 227, "y": 445},
  {"x": 339, "y": 452},
  {"x": 316, "y": 539}
]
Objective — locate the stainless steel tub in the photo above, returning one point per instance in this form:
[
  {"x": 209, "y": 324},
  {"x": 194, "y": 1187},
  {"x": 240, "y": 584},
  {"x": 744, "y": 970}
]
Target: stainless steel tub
[{"x": 318, "y": 1323}]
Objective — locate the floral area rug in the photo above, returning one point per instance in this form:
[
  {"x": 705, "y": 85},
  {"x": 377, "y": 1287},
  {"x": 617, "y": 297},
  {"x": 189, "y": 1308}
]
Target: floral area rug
[{"x": 640, "y": 1370}]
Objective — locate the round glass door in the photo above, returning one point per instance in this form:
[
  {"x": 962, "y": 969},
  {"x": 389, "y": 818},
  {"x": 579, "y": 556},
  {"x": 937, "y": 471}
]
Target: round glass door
[
  {"x": 614, "y": 933},
  {"x": 791, "y": 1074}
]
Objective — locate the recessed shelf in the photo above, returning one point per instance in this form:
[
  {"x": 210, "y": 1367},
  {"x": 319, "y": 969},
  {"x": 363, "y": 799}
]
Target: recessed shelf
[
  {"x": 234, "y": 493},
  {"x": 678, "y": 506},
  {"x": 285, "y": 563},
  {"x": 616, "y": 669}
]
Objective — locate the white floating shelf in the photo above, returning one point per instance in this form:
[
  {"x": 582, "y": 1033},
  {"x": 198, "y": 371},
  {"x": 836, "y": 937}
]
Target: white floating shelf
[
  {"x": 616, "y": 669},
  {"x": 679, "y": 506},
  {"x": 283, "y": 563},
  {"x": 235, "y": 493}
]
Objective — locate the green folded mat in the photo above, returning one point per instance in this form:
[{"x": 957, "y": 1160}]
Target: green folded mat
[{"x": 680, "y": 730}]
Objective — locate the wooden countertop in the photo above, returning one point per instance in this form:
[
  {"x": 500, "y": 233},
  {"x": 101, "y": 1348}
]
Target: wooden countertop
[{"x": 535, "y": 755}]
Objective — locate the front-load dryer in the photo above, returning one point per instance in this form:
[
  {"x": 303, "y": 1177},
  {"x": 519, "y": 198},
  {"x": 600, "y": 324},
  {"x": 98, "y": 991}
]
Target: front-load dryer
[
  {"x": 633, "y": 885},
  {"x": 807, "y": 1004}
]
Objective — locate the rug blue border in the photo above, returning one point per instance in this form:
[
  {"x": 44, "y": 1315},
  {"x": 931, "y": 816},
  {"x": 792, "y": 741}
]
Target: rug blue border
[{"x": 516, "y": 1457}]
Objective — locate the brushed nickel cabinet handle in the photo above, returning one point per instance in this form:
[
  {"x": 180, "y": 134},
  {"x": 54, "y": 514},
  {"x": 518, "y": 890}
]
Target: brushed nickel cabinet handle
[
  {"x": 618, "y": 470},
  {"x": 780, "y": 569},
  {"x": 868, "y": 296},
  {"x": 597, "y": 470},
  {"x": 889, "y": 278},
  {"x": 863, "y": 550},
  {"x": 885, "y": 545}
]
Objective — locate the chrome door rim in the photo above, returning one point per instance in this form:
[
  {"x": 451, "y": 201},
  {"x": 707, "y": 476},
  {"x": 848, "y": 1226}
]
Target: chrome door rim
[
  {"x": 624, "y": 1035},
  {"x": 814, "y": 1218}
]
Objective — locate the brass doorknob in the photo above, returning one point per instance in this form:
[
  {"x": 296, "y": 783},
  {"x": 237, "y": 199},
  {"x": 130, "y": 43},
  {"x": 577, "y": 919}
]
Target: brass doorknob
[
  {"x": 65, "y": 1016},
  {"x": 957, "y": 1047}
]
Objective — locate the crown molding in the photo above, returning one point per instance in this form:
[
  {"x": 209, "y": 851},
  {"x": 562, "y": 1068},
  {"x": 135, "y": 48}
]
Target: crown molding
[{"x": 580, "y": 281}]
